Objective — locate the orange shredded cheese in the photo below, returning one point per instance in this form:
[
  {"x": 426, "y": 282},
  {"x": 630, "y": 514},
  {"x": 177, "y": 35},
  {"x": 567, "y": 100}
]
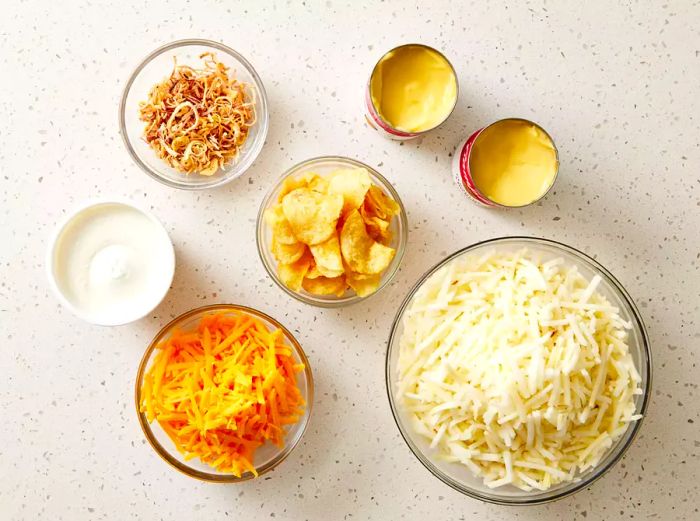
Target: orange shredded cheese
[{"x": 223, "y": 390}]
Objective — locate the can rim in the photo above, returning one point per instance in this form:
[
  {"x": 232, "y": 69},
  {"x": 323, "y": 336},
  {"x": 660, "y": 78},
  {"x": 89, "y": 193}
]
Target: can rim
[
  {"x": 466, "y": 163},
  {"x": 374, "y": 112}
]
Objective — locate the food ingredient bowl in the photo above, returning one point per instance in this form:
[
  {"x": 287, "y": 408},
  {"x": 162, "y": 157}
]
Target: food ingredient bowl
[
  {"x": 110, "y": 262},
  {"x": 268, "y": 456},
  {"x": 459, "y": 476},
  {"x": 156, "y": 67},
  {"x": 323, "y": 166}
]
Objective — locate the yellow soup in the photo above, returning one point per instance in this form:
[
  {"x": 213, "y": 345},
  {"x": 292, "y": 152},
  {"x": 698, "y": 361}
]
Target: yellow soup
[
  {"x": 413, "y": 88},
  {"x": 513, "y": 162}
]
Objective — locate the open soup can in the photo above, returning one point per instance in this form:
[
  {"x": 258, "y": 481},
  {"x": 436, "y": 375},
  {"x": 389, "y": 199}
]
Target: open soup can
[
  {"x": 508, "y": 164},
  {"x": 412, "y": 90}
]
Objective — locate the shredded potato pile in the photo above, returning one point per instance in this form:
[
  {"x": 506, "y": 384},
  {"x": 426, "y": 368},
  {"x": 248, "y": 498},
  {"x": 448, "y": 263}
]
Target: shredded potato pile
[
  {"x": 198, "y": 119},
  {"x": 517, "y": 368}
]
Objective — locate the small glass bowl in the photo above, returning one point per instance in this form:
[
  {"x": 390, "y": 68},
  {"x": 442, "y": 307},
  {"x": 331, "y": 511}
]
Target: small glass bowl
[
  {"x": 156, "y": 67},
  {"x": 459, "y": 477},
  {"x": 268, "y": 456},
  {"x": 321, "y": 166}
]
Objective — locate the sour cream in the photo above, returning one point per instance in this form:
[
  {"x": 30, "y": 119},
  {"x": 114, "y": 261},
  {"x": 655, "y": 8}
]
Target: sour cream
[{"x": 111, "y": 263}]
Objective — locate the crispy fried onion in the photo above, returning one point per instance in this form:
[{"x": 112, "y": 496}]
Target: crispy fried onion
[{"x": 198, "y": 119}]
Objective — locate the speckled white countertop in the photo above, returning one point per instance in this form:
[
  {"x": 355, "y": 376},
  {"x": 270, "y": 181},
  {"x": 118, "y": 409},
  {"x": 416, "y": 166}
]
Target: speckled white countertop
[{"x": 617, "y": 87}]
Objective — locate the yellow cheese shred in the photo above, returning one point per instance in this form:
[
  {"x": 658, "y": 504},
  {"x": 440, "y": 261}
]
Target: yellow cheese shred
[{"x": 223, "y": 390}]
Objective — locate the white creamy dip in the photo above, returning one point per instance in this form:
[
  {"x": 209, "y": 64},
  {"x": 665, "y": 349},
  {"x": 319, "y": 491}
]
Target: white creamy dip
[{"x": 112, "y": 263}]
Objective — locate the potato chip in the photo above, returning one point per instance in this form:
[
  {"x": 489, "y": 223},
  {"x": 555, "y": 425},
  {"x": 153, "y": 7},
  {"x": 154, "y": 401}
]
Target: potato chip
[
  {"x": 313, "y": 272},
  {"x": 327, "y": 256},
  {"x": 332, "y": 233},
  {"x": 326, "y": 286},
  {"x": 292, "y": 275},
  {"x": 362, "y": 253},
  {"x": 281, "y": 231},
  {"x": 352, "y": 184},
  {"x": 287, "y": 253},
  {"x": 379, "y": 204},
  {"x": 377, "y": 228},
  {"x": 361, "y": 284},
  {"x": 318, "y": 184},
  {"x": 292, "y": 183},
  {"x": 312, "y": 215}
]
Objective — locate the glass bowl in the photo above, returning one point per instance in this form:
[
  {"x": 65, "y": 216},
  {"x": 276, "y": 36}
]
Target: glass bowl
[
  {"x": 459, "y": 476},
  {"x": 268, "y": 456},
  {"x": 155, "y": 68},
  {"x": 321, "y": 166}
]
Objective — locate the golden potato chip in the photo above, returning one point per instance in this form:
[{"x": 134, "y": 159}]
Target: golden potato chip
[
  {"x": 281, "y": 231},
  {"x": 312, "y": 215},
  {"x": 287, "y": 253},
  {"x": 292, "y": 183},
  {"x": 292, "y": 275},
  {"x": 318, "y": 184},
  {"x": 352, "y": 184},
  {"x": 361, "y": 284},
  {"x": 362, "y": 253},
  {"x": 326, "y": 286},
  {"x": 377, "y": 228},
  {"x": 379, "y": 204},
  {"x": 327, "y": 256},
  {"x": 313, "y": 272}
]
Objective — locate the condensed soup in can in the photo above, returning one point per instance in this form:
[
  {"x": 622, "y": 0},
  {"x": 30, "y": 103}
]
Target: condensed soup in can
[
  {"x": 509, "y": 164},
  {"x": 412, "y": 90}
]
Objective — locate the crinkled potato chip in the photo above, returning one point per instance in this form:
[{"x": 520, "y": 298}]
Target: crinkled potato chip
[
  {"x": 318, "y": 184},
  {"x": 380, "y": 204},
  {"x": 352, "y": 184},
  {"x": 312, "y": 215},
  {"x": 287, "y": 253},
  {"x": 292, "y": 275},
  {"x": 313, "y": 272},
  {"x": 281, "y": 231},
  {"x": 329, "y": 262},
  {"x": 292, "y": 183},
  {"x": 362, "y": 253},
  {"x": 361, "y": 284},
  {"x": 326, "y": 286},
  {"x": 377, "y": 228}
]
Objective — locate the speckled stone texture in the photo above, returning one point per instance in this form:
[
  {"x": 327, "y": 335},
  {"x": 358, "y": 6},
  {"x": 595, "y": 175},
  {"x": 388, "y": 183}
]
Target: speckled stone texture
[{"x": 615, "y": 85}]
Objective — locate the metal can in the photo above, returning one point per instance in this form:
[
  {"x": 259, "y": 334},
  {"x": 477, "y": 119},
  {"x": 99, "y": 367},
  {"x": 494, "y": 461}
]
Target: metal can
[
  {"x": 462, "y": 168},
  {"x": 372, "y": 112}
]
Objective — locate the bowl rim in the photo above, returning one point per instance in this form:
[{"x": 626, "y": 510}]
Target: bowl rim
[
  {"x": 164, "y": 453},
  {"x": 321, "y": 301},
  {"x": 262, "y": 114},
  {"x": 74, "y": 212},
  {"x": 598, "y": 472}
]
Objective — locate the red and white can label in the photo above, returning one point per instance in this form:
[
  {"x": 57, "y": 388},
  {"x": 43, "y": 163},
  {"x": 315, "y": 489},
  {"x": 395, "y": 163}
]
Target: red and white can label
[{"x": 462, "y": 174}]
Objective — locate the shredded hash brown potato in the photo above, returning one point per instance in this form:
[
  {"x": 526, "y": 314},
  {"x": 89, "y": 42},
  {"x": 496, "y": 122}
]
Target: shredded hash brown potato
[{"x": 198, "y": 119}]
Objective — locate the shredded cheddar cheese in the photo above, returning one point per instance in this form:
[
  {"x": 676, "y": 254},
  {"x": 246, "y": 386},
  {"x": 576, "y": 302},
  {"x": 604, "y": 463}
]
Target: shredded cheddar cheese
[{"x": 223, "y": 390}]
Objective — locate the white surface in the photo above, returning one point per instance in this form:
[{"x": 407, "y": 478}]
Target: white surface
[{"x": 616, "y": 86}]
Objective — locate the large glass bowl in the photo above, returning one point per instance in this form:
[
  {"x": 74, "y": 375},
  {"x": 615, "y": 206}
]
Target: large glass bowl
[
  {"x": 268, "y": 456},
  {"x": 322, "y": 166},
  {"x": 156, "y": 67},
  {"x": 459, "y": 476}
]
